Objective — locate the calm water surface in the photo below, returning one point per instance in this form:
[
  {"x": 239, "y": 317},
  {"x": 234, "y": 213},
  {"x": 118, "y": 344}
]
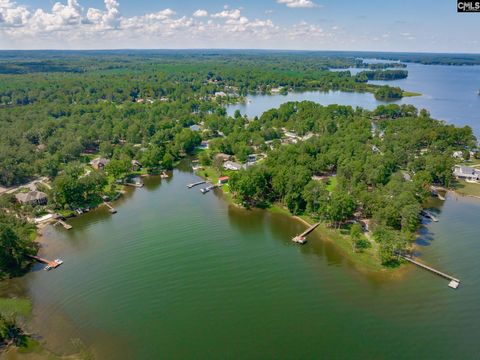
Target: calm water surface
[
  {"x": 448, "y": 92},
  {"x": 177, "y": 274}
]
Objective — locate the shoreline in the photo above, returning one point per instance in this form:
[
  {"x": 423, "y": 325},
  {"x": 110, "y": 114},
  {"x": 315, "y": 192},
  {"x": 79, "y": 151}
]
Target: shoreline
[{"x": 363, "y": 261}]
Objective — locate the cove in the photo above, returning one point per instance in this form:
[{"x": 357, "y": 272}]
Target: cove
[
  {"x": 177, "y": 274},
  {"x": 449, "y": 93}
]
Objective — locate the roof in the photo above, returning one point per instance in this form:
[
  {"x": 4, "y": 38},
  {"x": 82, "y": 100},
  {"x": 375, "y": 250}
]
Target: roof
[
  {"x": 99, "y": 161},
  {"x": 31, "y": 196},
  {"x": 195, "y": 128},
  {"x": 224, "y": 178},
  {"x": 232, "y": 165},
  {"x": 467, "y": 170}
]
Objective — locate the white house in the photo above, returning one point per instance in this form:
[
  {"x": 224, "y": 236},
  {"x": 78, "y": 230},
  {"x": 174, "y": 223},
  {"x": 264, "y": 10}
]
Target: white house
[
  {"x": 230, "y": 165},
  {"x": 458, "y": 154},
  {"x": 466, "y": 172}
]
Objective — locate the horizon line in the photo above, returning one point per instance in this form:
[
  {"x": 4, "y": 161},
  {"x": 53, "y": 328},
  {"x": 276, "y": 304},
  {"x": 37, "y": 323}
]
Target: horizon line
[{"x": 245, "y": 49}]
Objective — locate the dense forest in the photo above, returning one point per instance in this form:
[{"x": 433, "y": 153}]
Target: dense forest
[
  {"x": 59, "y": 110},
  {"x": 49, "y": 118},
  {"x": 364, "y": 76}
]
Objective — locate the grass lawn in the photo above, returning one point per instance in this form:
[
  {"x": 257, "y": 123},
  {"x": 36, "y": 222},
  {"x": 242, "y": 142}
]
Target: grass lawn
[
  {"x": 465, "y": 188},
  {"x": 332, "y": 183},
  {"x": 365, "y": 260}
]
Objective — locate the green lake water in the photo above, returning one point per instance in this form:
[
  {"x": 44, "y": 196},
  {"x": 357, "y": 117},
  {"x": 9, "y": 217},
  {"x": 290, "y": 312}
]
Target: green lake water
[{"x": 177, "y": 274}]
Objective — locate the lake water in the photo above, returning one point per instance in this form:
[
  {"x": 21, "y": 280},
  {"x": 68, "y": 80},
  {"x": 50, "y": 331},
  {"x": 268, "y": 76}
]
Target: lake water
[
  {"x": 448, "y": 92},
  {"x": 180, "y": 275}
]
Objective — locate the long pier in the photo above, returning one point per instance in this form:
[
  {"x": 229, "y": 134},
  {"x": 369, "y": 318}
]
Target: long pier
[
  {"x": 195, "y": 184},
  {"x": 454, "y": 282},
  {"x": 302, "y": 238}
]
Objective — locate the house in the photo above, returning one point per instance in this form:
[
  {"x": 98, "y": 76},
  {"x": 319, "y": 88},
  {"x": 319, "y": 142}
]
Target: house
[
  {"x": 220, "y": 94},
  {"x": 223, "y": 180},
  {"x": 136, "y": 165},
  {"x": 195, "y": 127},
  {"x": 204, "y": 145},
  {"x": 223, "y": 157},
  {"x": 230, "y": 165},
  {"x": 467, "y": 173},
  {"x": 458, "y": 154},
  {"x": 32, "y": 198},
  {"x": 99, "y": 163}
]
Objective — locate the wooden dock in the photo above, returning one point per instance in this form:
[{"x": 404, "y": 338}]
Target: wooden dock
[
  {"x": 110, "y": 207},
  {"x": 454, "y": 282},
  {"x": 208, "y": 188},
  {"x": 63, "y": 223},
  {"x": 302, "y": 238},
  {"x": 189, "y": 186},
  {"x": 50, "y": 264},
  {"x": 137, "y": 185}
]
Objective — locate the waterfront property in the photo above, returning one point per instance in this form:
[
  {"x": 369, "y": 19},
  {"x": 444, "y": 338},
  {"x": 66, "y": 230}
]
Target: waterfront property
[
  {"x": 245, "y": 256},
  {"x": 136, "y": 165},
  {"x": 467, "y": 173},
  {"x": 32, "y": 198},
  {"x": 233, "y": 166}
]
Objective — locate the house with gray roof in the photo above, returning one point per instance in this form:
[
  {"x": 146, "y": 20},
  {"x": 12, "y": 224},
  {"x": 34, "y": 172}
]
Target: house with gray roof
[
  {"x": 466, "y": 172},
  {"x": 32, "y": 198}
]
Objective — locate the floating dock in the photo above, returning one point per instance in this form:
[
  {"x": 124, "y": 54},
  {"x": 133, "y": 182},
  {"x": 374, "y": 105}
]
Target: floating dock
[
  {"x": 302, "y": 238},
  {"x": 207, "y": 189},
  {"x": 50, "y": 264},
  {"x": 189, "y": 186},
  {"x": 137, "y": 185},
  {"x": 454, "y": 282}
]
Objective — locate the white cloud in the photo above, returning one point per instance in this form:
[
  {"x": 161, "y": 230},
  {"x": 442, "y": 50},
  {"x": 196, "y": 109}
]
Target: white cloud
[
  {"x": 68, "y": 25},
  {"x": 227, "y": 14},
  {"x": 12, "y": 14},
  {"x": 298, "y": 3},
  {"x": 200, "y": 13}
]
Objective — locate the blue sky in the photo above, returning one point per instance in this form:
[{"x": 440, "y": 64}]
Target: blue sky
[{"x": 407, "y": 25}]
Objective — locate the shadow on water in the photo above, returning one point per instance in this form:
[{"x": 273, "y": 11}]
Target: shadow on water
[
  {"x": 425, "y": 236},
  {"x": 246, "y": 220}
]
